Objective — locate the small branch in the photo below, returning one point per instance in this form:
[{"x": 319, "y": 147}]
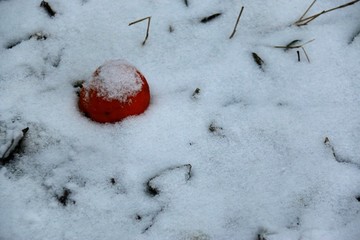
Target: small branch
[
  {"x": 307, "y": 10},
  {"x": 237, "y": 22},
  {"x": 303, "y": 21},
  {"x": 210, "y": 18},
  {"x": 47, "y": 8},
  {"x": 147, "y": 29}
]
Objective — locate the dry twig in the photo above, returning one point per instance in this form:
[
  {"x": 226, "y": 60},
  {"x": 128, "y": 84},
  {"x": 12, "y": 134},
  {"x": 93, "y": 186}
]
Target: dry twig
[
  {"x": 303, "y": 21},
  {"x": 237, "y": 22},
  {"x": 292, "y": 45},
  {"x": 147, "y": 29}
]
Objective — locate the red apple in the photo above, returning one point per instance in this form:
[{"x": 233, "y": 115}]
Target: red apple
[{"x": 116, "y": 90}]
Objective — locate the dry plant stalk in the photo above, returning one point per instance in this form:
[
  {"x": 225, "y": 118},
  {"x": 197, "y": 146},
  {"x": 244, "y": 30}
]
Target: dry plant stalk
[
  {"x": 237, "y": 22},
  {"x": 147, "y": 29},
  {"x": 303, "y": 21},
  {"x": 292, "y": 46}
]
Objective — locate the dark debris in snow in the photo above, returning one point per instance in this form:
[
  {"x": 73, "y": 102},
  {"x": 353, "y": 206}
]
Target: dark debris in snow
[
  {"x": 14, "y": 146},
  {"x": 47, "y": 8},
  {"x": 210, "y": 18},
  {"x": 64, "y": 198},
  {"x": 156, "y": 183}
]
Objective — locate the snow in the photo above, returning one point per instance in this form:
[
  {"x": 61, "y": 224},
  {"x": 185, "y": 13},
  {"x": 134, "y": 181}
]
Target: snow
[
  {"x": 254, "y": 137},
  {"x": 116, "y": 79}
]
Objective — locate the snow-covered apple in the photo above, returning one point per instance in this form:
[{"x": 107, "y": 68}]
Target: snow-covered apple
[{"x": 115, "y": 91}]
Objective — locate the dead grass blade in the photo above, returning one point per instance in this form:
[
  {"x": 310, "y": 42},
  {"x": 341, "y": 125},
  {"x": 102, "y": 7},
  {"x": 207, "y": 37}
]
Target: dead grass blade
[
  {"x": 147, "y": 29},
  {"x": 304, "y": 21},
  {"x": 292, "y": 45},
  {"x": 237, "y": 22}
]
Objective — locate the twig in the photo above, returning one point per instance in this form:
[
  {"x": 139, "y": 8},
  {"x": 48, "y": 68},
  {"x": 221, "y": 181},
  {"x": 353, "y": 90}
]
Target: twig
[
  {"x": 307, "y": 57},
  {"x": 237, "y": 22},
  {"x": 307, "y": 10},
  {"x": 209, "y": 18},
  {"x": 147, "y": 29},
  {"x": 292, "y": 46},
  {"x": 47, "y": 8},
  {"x": 303, "y": 21},
  {"x": 186, "y": 3}
]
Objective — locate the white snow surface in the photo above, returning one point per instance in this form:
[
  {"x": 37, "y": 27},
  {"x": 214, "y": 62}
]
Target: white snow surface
[
  {"x": 116, "y": 79},
  {"x": 254, "y": 136}
]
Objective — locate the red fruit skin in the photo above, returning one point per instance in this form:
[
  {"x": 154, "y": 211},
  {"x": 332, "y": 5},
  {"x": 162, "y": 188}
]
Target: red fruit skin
[{"x": 103, "y": 110}]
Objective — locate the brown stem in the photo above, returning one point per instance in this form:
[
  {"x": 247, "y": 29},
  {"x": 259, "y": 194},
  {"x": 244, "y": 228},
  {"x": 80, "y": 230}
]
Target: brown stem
[
  {"x": 303, "y": 21},
  {"x": 307, "y": 10},
  {"x": 237, "y": 22},
  {"x": 147, "y": 29}
]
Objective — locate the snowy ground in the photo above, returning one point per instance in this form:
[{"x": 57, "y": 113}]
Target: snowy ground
[{"x": 254, "y": 137}]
